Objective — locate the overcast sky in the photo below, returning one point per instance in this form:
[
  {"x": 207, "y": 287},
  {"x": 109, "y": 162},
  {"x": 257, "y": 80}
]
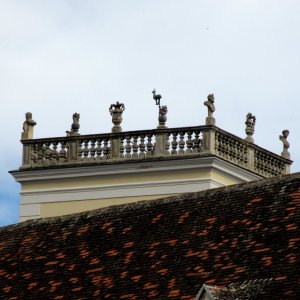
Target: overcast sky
[{"x": 63, "y": 56}]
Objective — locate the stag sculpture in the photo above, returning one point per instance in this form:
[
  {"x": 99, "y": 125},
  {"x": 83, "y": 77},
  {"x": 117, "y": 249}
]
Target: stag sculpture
[{"x": 156, "y": 97}]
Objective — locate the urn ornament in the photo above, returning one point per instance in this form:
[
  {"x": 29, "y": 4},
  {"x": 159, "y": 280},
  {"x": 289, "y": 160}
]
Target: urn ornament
[{"x": 116, "y": 111}]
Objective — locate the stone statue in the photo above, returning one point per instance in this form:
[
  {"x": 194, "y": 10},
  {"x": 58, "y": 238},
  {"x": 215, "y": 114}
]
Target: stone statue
[
  {"x": 75, "y": 125},
  {"x": 28, "y": 125},
  {"x": 210, "y": 120},
  {"x": 116, "y": 111},
  {"x": 162, "y": 116},
  {"x": 286, "y": 145},
  {"x": 250, "y": 126}
]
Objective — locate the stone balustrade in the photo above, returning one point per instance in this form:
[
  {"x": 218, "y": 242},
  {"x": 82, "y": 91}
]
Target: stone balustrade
[{"x": 166, "y": 143}]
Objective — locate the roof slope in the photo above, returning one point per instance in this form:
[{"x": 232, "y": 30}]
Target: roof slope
[{"x": 160, "y": 249}]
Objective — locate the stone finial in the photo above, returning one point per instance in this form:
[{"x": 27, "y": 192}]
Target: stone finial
[
  {"x": 286, "y": 145},
  {"x": 162, "y": 116},
  {"x": 250, "y": 127},
  {"x": 116, "y": 111},
  {"x": 75, "y": 125},
  {"x": 28, "y": 125},
  {"x": 210, "y": 120}
]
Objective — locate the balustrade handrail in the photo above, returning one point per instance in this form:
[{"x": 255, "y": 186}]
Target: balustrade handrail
[
  {"x": 251, "y": 145},
  {"x": 116, "y": 134},
  {"x": 176, "y": 142}
]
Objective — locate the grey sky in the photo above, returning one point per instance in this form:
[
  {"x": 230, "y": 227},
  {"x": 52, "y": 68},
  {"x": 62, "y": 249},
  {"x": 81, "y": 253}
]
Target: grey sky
[{"x": 60, "y": 57}]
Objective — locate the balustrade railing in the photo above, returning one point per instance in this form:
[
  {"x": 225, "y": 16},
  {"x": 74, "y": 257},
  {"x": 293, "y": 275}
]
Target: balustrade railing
[
  {"x": 144, "y": 144},
  {"x": 231, "y": 148}
]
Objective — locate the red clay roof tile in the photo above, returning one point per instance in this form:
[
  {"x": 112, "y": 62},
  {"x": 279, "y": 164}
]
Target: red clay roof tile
[{"x": 160, "y": 249}]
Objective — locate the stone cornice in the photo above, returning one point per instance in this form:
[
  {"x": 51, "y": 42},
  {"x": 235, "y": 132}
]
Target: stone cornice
[{"x": 201, "y": 163}]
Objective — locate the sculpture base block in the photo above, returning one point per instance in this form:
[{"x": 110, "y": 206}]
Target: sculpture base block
[
  {"x": 210, "y": 121},
  {"x": 286, "y": 154},
  {"x": 162, "y": 126},
  {"x": 116, "y": 129},
  {"x": 249, "y": 139}
]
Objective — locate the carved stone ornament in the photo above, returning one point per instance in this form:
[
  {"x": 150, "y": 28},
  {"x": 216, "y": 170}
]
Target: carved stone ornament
[
  {"x": 75, "y": 125},
  {"x": 162, "y": 116},
  {"x": 210, "y": 120},
  {"x": 250, "y": 127},
  {"x": 28, "y": 125},
  {"x": 116, "y": 111},
  {"x": 286, "y": 145}
]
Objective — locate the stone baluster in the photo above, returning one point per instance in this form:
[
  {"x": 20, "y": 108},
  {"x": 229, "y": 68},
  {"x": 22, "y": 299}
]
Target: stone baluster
[
  {"x": 63, "y": 152},
  {"x": 181, "y": 143},
  {"x": 142, "y": 146},
  {"x": 135, "y": 147},
  {"x": 99, "y": 149},
  {"x": 174, "y": 143},
  {"x": 40, "y": 153},
  {"x": 189, "y": 143},
  {"x": 122, "y": 148},
  {"x": 149, "y": 145},
  {"x": 93, "y": 149},
  {"x": 167, "y": 146},
  {"x": 105, "y": 149},
  {"x": 85, "y": 150},
  {"x": 128, "y": 147},
  {"x": 245, "y": 155},
  {"x": 196, "y": 142},
  {"x": 47, "y": 153},
  {"x": 55, "y": 155},
  {"x": 34, "y": 151},
  {"x": 233, "y": 150}
]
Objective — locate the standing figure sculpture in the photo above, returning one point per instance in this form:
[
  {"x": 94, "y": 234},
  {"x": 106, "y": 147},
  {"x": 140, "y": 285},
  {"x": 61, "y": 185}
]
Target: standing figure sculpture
[
  {"x": 210, "y": 120},
  {"x": 28, "y": 125},
  {"x": 286, "y": 145},
  {"x": 250, "y": 127},
  {"x": 116, "y": 111},
  {"x": 75, "y": 125}
]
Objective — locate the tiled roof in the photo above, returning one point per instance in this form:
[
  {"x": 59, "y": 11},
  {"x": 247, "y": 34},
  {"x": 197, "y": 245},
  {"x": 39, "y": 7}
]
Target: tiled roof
[
  {"x": 160, "y": 249},
  {"x": 247, "y": 290}
]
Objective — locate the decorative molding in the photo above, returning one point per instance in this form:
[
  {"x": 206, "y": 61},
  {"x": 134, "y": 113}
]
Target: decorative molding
[
  {"x": 137, "y": 167},
  {"x": 118, "y": 191}
]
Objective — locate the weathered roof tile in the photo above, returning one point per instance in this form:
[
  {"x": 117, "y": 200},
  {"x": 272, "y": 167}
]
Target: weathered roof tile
[{"x": 167, "y": 248}]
